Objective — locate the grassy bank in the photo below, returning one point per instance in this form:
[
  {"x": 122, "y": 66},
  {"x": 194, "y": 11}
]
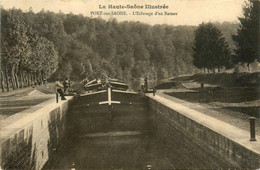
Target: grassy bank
[{"x": 225, "y": 92}]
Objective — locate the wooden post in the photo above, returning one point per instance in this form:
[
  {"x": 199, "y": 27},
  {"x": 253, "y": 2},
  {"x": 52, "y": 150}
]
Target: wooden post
[
  {"x": 109, "y": 103},
  {"x": 252, "y": 128},
  {"x": 109, "y": 95},
  {"x": 154, "y": 91},
  {"x": 57, "y": 97}
]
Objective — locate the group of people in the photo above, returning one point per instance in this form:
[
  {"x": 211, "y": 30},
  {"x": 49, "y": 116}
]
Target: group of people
[
  {"x": 63, "y": 87},
  {"x": 39, "y": 82}
]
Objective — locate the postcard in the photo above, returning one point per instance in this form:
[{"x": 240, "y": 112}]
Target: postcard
[{"x": 129, "y": 84}]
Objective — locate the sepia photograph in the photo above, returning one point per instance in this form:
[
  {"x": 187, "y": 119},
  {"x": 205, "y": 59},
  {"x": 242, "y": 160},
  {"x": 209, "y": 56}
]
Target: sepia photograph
[{"x": 129, "y": 84}]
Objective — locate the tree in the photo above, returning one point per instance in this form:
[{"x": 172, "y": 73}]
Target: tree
[
  {"x": 43, "y": 60},
  {"x": 15, "y": 47},
  {"x": 247, "y": 38},
  {"x": 25, "y": 56},
  {"x": 47, "y": 44},
  {"x": 50, "y": 26},
  {"x": 210, "y": 48}
]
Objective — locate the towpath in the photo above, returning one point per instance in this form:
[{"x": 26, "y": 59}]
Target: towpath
[
  {"x": 236, "y": 130},
  {"x": 16, "y": 101}
]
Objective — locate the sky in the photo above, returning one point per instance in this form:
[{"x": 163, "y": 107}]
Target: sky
[{"x": 185, "y": 12}]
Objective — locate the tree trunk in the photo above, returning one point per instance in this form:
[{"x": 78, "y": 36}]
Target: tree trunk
[
  {"x": 12, "y": 82},
  {"x": 204, "y": 69},
  {"x": 35, "y": 78},
  {"x": 21, "y": 77},
  {"x": 42, "y": 77},
  {"x": 28, "y": 79},
  {"x": 16, "y": 81},
  {"x": 2, "y": 81},
  {"x": 31, "y": 78},
  {"x": 13, "y": 78},
  {"x": 218, "y": 69},
  {"x": 7, "y": 79},
  {"x": 39, "y": 77},
  {"x": 213, "y": 70},
  {"x": 25, "y": 78}
]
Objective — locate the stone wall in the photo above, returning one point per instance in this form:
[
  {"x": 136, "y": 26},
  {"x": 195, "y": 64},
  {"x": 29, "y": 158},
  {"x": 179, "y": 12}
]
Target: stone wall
[
  {"x": 187, "y": 144},
  {"x": 29, "y": 142}
]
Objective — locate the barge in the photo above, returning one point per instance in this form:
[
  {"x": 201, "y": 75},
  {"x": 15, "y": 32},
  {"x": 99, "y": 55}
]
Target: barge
[{"x": 109, "y": 106}]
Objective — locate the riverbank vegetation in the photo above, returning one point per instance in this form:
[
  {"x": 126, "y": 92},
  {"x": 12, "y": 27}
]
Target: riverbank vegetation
[
  {"x": 212, "y": 51},
  {"x": 47, "y": 45}
]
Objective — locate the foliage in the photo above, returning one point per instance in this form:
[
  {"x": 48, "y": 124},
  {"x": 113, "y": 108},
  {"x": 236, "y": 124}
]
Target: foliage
[
  {"x": 66, "y": 45},
  {"x": 210, "y": 48},
  {"x": 23, "y": 50},
  {"x": 247, "y": 38}
]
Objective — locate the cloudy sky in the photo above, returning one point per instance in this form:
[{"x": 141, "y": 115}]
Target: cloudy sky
[{"x": 189, "y": 12}]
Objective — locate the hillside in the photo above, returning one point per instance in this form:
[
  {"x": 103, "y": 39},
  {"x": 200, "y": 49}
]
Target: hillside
[{"x": 92, "y": 47}]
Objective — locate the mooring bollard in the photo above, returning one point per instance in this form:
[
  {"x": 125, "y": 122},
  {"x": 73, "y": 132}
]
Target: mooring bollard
[
  {"x": 57, "y": 98},
  {"x": 252, "y": 128}
]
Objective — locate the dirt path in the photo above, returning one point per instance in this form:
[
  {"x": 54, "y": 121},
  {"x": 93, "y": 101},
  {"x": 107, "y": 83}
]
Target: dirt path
[{"x": 18, "y": 100}]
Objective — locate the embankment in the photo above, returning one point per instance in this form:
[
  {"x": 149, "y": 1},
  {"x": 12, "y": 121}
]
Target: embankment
[
  {"x": 190, "y": 139},
  {"x": 33, "y": 135}
]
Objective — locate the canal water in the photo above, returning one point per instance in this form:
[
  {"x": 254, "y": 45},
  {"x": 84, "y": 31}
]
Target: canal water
[
  {"x": 134, "y": 137},
  {"x": 124, "y": 142},
  {"x": 110, "y": 150},
  {"x": 120, "y": 152}
]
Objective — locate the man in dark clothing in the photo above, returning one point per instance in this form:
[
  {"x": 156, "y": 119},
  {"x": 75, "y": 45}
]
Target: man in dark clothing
[
  {"x": 59, "y": 87},
  {"x": 66, "y": 85},
  {"x": 146, "y": 84}
]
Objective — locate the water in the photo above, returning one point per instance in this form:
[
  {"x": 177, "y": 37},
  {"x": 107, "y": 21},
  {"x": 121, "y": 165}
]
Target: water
[
  {"x": 121, "y": 152},
  {"x": 134, "y": 137},
  {"x": 95, "y": 141}
]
